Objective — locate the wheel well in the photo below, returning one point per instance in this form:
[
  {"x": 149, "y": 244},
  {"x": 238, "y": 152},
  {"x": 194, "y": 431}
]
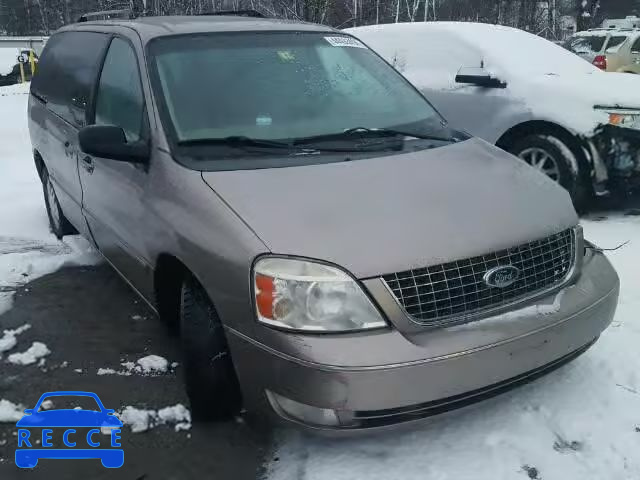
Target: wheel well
[
  {"x": 167, "y": 281},
  {"x": 40, "y": 167},
  {"x": 542, "y": 127}
]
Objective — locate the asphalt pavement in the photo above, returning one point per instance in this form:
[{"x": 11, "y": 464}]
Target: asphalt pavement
[{"x": 90, "y": 319}]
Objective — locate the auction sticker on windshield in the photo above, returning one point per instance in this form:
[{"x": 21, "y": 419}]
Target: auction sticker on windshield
[
  {"x": 344, "y": 42},
  {"x": 69, "y": 425}
]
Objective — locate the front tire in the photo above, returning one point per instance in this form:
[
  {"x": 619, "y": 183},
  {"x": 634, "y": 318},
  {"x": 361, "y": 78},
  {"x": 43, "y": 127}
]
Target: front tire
[
  {"x": 211, "y": 381},
  {"x": 58, "y": 223},
  {"x": 554, "y": 158}
]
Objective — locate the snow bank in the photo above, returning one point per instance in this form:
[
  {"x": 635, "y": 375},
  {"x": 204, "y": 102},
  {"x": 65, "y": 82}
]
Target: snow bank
[
  {"x": 140, "y": 420},
  {"x": 27, "y": 249},
  {"x": 8, "y": 59},
  {"x": 10, "y": 412},
  {"x": 35, "y": 352}
]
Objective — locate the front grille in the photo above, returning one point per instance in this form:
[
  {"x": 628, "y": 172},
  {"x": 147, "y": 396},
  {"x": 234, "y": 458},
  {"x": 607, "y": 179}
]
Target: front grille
[{"x": 452, "y": 292}]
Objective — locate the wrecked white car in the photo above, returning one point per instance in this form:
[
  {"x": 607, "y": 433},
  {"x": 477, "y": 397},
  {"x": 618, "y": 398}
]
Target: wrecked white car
[{"x": 554, "y": 110}]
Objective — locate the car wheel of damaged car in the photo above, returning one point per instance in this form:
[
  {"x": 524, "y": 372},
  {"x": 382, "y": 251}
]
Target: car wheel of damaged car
[
  {"x": 211, "y": 381},
  {"x": 553, "y": 158}
]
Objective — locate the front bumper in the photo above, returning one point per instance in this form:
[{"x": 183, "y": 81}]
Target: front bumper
[{"x": 352, "y": 382}]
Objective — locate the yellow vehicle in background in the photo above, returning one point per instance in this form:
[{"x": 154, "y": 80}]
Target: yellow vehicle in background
[{"x": 612, "y": 50}]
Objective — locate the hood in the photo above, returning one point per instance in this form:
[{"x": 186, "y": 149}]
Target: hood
[
  {"x": 69, "y": 418},
  {"x": 386, "y": 214}
]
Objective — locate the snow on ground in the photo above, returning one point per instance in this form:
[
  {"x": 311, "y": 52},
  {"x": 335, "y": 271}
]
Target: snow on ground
[
  {"x": 8, "y": 339},
  {"x": 140, "y": 420},
  {"x": 27, "y": 249},
  {"x": 149, "y": 365},
  {"x": 10, "y": 412},
  {"x": 35, "y": 352},
  {"x": 581, "y": 421}
]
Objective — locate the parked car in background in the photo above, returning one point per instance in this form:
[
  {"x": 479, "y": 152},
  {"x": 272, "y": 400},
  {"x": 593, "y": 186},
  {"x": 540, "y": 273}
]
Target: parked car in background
[
  {"x": 330, "y": 250},
  {"x": 630, "y": 21},
  {"x": 525, "y": 94},
  {"x": 613, "y": 51}
]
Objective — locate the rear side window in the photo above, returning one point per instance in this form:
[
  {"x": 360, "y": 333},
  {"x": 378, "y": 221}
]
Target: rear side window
[
  {"x": 614, "y": 43},
  {"x": 635, "y": 48},
  {"x": 67, "y": 72},
  {"x": 120, "y": 100},
  {"x": 587, "y": 45}
]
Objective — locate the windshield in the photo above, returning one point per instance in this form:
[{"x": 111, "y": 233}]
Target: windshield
[{"x": 281, "y": 86}]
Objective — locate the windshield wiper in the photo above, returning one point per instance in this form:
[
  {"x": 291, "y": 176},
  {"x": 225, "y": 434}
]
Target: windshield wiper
[
  {"x": 363, "y": 132},
  {"x": 238, "y": 141}
]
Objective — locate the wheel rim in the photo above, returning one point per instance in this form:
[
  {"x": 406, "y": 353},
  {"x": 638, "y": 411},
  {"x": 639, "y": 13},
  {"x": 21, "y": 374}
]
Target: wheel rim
[
  {"x": 54, "y": 209},
  {"x": 542, "y": 160}
]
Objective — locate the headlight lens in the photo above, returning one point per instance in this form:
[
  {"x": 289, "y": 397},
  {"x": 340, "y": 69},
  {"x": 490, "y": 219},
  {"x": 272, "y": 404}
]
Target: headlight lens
[
  {"x": 304, "y": 295},
  {"x": 624, "y": 118}
]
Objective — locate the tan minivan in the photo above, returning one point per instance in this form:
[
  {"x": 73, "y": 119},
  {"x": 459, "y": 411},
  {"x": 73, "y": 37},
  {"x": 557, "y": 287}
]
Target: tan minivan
[{"x": 331, "y": 251}]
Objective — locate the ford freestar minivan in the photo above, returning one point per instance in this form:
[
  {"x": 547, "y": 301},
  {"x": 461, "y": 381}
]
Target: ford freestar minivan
[{"x": 330, "y": 250}]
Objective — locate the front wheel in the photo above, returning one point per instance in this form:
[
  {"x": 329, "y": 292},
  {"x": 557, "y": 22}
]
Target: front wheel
[
  {"x": 58, "y": 223},
  {"x": 554, "y": 158},
  {"x": 211, "y": 381}
]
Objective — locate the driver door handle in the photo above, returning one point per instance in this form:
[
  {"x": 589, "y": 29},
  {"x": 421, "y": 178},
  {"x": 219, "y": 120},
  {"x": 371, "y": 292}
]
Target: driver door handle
[{"x": 87, "y": 164}]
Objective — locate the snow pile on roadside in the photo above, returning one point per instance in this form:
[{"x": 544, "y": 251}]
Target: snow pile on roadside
[
  {"x": 35, "y": 352},
  {"x": 578, "y": 422},
  {"x": 10, "y": 412},
  {"x": 8, "y": 339},
  {"x": 147, "y": 366},
  {"x": 27, "y": 249},
  {"x": 140, "y": 420}
]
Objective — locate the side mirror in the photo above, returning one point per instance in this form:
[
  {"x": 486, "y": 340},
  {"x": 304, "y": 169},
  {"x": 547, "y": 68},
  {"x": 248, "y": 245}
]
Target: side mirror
[
  {"x": 108, "y": 141},
  {"x": 29, "y": 411},
  {"x": 480, "y": 77}
]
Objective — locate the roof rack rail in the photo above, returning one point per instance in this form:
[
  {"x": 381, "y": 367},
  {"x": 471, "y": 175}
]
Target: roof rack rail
[
  {"x": 107, "y": 15},
  {"x": 239, "y": 13}
]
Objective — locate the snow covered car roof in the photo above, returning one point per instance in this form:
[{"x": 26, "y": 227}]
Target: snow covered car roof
[{"x": 500, "y": 48}]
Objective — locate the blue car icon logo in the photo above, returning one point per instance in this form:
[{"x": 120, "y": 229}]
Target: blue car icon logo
[{"x": 76, "y": 428}]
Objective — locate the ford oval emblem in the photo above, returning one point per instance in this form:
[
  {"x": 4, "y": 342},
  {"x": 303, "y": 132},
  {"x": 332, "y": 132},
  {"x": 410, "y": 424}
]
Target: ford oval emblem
[{"x": 501, "y": 277}]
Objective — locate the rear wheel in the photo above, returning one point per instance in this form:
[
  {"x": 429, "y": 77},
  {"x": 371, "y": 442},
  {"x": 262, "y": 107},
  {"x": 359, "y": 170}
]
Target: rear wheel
[
  {"x": 554, "y": 158},
  {"x": 58, "y": 223},
  {"x": 211, "y": 381}
]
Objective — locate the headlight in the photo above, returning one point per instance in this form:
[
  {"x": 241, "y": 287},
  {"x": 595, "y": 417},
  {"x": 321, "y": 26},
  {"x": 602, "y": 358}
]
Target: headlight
[
  {"x": 304, "y": 295},
  {"x": 624, "y": 118}
]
